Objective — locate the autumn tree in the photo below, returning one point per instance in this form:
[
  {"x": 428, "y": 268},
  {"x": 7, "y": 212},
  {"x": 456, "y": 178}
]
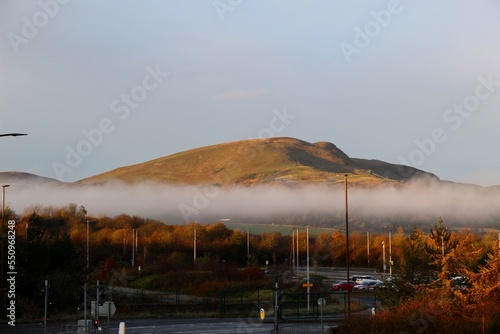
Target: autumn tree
[
  {"x": 321, "y": 255},
  {"x": 414, "y": 263},
  {"x": 464, "y": 257}
]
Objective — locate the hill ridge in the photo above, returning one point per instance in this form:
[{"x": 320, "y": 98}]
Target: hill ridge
[{"x": 273, "y": 161}]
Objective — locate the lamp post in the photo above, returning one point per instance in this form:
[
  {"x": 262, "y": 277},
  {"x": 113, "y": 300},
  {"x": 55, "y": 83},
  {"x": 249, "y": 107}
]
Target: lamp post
[
  {"x": 368, "y": 247},
  {"x": 133, "y": 246},
  {"x": 248, "y": 248},
  {"x": 390, "y": 254},
  {"x": 137, "y": 240},
  {"x": 88, "y": 256},
  {"x": 297, "y": 252},
  {"x": 3, "y": 229},
  {"x": 88, "y": 248},
  {"x": 293, "y": 251},
  {"x": 307, "y": 264},
  {"x": 88, "y": 245},
  {"x": 347, "y": 250},
  {"x": 383, "y": 256},
  {"x": 194, "y": 245}
]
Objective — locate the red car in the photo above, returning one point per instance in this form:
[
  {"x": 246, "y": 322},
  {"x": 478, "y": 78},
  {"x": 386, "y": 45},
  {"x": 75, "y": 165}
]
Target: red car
[{"x": 342, "y": 286}]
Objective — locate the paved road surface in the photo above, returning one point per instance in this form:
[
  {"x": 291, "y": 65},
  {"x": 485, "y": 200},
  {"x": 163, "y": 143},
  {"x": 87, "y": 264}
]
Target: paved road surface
[{"x": 173, "y": 326}]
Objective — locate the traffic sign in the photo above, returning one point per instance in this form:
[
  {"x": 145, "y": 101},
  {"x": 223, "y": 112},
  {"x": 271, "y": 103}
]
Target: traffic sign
[
  {"x": 305, "y": 285},
  {"x": 322, "y": 301},
  {"x": 262, "y": 314}
]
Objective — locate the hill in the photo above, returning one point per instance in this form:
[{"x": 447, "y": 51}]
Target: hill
[
  {"x": 271, "y": 161},
  {"x": 13, "y": 178}
]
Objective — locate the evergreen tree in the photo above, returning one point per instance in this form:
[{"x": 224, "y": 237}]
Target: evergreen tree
[
  {"x": 441, "y": 243},
  {"x": 414, "y": 263}
]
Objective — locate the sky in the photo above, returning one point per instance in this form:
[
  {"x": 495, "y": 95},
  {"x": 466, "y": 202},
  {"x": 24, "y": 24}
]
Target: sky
[{"x": 98, "y": 85}]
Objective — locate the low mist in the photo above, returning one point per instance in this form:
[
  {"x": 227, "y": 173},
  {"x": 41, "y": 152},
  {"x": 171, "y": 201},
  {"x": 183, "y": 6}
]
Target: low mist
[{"x": 422, "y": 199}]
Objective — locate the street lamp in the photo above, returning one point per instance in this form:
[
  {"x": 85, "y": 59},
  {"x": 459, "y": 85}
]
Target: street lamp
[
  {"x": 347, "y": 250},
  {"x": 383, "y": 256},
  {"x": 390, "y": 254},
  {"x": 88, "y": 257},
  {"x": 88, "y": 238},
  {"x": 2, "y": 231},
  {"x": 134, "y": 244},
  {"x": 194, "y": 245},
  {"x": 248, "y": 247},
  {"x": 2, "y": 228},
  {"x": 307, "y": 264}
]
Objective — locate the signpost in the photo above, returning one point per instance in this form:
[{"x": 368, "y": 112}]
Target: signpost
[
  {"x": 107, "y": 308},
  {"x": 321, "y": 303}
]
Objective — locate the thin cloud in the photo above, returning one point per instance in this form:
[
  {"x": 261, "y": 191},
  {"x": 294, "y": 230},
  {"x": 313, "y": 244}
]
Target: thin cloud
[{"x": 241, "y": 94}]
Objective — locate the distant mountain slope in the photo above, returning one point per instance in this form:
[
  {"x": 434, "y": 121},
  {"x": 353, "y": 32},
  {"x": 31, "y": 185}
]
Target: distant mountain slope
[
  {"x": 392, "y": 171},
  {"x": 20, "y": 177},
  {"x": 273, "y": 161}
]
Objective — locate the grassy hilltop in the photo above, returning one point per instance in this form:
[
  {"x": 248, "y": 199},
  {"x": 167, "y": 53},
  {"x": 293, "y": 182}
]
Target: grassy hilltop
[{"x": 273, "y": 161}]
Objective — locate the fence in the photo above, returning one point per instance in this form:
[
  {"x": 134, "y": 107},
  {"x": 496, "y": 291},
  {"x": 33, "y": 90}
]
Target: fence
[
  {"x": 294, "y": 305},
  {"x": 237, "y": 303}
]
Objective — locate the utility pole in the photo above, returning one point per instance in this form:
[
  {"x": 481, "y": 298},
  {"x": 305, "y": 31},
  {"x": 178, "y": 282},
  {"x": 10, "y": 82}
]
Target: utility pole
[
  {"x": 194, "y": 246},
  {"x": 298, "y": 251},
  {"x": 248, "y": 248},
  {"x": 45, "y": 313},
  {"x": 88, "y": 256},
  {"x": 2, "y": 228},
  {"x": 383, "y": 256},
  {"x": 133, "y": 247},
  {"x": 88, "y": 247},
  {"x": 368, "y": 247},
  {"x": 96, "y": 309},
  {"x": 390, "y": 255},
  {"x": 307, "y": 263},
  {"x": 276, "y": 305},
  {"x": 85, "y": 307},
  {"x": 293, "y": 250},
  {"x": 136, "y": 240},
  {"x": 347, "y": 251}
]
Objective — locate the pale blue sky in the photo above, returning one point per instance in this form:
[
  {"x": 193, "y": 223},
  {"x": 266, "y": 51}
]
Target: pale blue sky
[{"x": 372, "y": 77}]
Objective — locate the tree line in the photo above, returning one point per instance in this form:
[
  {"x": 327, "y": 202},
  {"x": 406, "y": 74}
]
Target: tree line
[{"x": 69, "y": 247}]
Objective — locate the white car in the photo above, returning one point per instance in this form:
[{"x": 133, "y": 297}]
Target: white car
[
  {"x": 367, "y": 284},
  {"x": 361, "y": 278}
]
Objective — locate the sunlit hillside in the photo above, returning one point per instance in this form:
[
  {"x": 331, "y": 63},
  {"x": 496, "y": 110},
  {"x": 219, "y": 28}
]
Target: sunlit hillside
[{"x": 273, "y": 161}]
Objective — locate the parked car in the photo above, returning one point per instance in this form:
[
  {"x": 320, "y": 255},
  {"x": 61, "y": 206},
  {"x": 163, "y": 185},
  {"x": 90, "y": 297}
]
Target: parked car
[
  {"x": 367, "y": 284},
  {"x": 359, "y": 278},
  {"x": 343, "y": 286},
  {"x": 460, "y": 283}
]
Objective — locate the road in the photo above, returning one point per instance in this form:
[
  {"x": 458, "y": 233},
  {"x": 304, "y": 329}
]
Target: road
[{"x": 174, "y": 326}]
